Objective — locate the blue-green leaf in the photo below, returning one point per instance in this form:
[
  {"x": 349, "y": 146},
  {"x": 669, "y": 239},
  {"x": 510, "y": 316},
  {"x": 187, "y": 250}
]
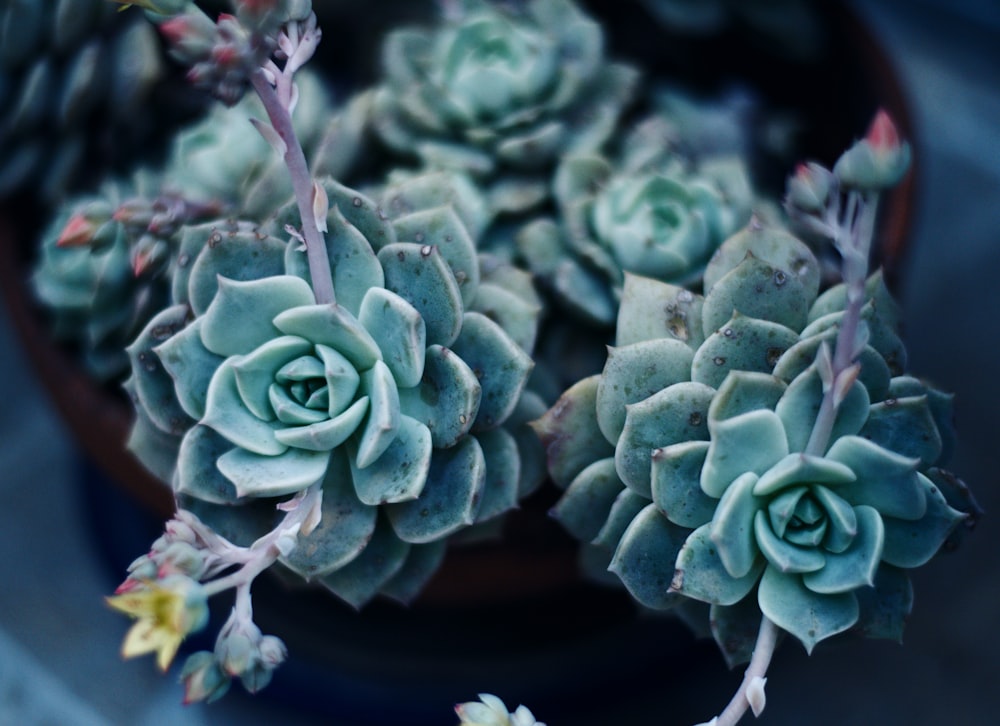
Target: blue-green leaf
[
  {"x": 676, "y": 414},
  {"x": 913, "y": 543},
  {"x": 570, "y": 432},
  {"x": 420, "y": 275},
  {"x": 239, "y": 318},
  {"x": 450, "y": 498},
  {"x": 333, "y": 326},
  {"x": 197, "y": 473},
  {"x": 676, "y": 483},
  {"x": 584, "y": 506},
  {"x": 751, "y": 442},
  {"x": 808, "y": 616},
  {"x": 701, "y": 575},
  {"x": 732, "y": 528},
  {"x": 422, "y": 561},
  {"x": 744, "y": 391},
  {"x": 399, "y": 473},
  {"x": 398, "y": 330},
  {"x": 271, "y": 476},
  {"x": 854, "y": 567},
  {"x": 383, "y": 414},
  {"x": 359, "y": 580},
  {"x": 447, "y": 398},
  {"x": 644, "y": 559},
  {"x": 635, "y": 372},
  {"x": 344, "y": 530},
  {"x": 885, "y": 480},
  {"x": 228, "y": 414},
  {"x": 256, "y": 372},
  {"x": 501, "y": 367}
]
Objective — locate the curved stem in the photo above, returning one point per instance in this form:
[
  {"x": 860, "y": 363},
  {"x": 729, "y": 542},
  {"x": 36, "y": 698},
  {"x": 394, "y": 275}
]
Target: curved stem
[
  {"x": 264, "y": 552},
  {"x": 767, "y": 639},
  {"x": 854, "y": 239},
  {"x": 302, "y": 184}
]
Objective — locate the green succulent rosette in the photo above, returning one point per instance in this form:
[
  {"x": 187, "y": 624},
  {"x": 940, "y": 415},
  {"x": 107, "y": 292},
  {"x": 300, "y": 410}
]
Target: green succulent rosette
[
  {"x": 496, "y": 86},
  {"x": 685, "y": 462},
  {"x": 403, "y": 399},
  {"x": 651, "y": 212}
]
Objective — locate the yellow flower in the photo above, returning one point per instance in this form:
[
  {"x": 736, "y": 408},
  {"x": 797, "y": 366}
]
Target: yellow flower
[{"x": 166, "y": 612}]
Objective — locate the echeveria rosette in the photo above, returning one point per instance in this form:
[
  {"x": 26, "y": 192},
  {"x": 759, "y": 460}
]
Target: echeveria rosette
[
  {"x": 397, "y": 397},
  {"x": 641, "y": 449},
  {"x": 651, "y": 213},
  {"x": 499, "y": 86},
  {"x": 805, "y": 531},
  {"x": 672, "y": 350}
]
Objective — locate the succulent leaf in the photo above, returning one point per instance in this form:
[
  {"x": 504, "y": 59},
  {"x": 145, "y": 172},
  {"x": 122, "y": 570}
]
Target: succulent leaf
[
  {"x": 644, "y": 557},
  {"x": 450, "y": 498},
  {"x": 447, "y": 398},
  {"x": 584, "y": 506},
  {"x": 420, "y": 275},
  {"x": 635, "y": 372},
  {"x": 360, "y": 580},
  {"x": 700, "y": 573},
  {"x": 675, "y": 414},
  {"x": 197, "y": 474},
  {"x": 345, "y": 529},
  {"x": 808, "y": 616},
  {"x": 500, "y": 366},
  {"x": 676, "y": 483}
]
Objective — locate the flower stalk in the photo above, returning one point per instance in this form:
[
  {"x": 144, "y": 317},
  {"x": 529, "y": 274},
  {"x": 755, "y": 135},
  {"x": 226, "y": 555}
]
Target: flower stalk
[{"x": 751, "y": 691}]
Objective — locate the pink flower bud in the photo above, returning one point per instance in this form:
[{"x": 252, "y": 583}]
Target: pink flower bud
[
  {"x": 882, "y": 133},
  {"x": 877, "y": 161},
  {"x": 78, "y": 231}
]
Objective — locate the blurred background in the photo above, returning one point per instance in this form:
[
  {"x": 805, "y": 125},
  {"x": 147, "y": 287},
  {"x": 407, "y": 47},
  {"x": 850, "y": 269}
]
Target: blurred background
[{"x": 59, "y": 644}]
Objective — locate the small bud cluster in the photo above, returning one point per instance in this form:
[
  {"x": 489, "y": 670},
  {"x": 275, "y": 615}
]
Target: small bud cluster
[
  {"x": 167, "y": 591},
  {"x": 241, "y": 651},
  {"x": 187, "y": 547},
  {"x": 222, "y": 55},
  {"x": 147, "y": 223},
  {"x": 840, "y": 205}
]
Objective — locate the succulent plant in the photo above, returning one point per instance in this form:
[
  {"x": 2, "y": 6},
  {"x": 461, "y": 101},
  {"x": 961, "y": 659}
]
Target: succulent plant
[
  {"x": 500, "y": 86},
  {"x": 68, "y": 67},
  {"x": 396, "y": 396},
  {"x": 651, "y": 212},
  {"x": 686, "y": 462}
]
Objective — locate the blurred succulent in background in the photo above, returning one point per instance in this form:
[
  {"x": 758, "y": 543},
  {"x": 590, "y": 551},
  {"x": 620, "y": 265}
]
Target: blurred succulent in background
[
  {"x": 651, "y": 212},
  {"x": 100, "y": 270},
  {"x": 77, "y": 81},
  {"x": 497, "y": 86}
]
